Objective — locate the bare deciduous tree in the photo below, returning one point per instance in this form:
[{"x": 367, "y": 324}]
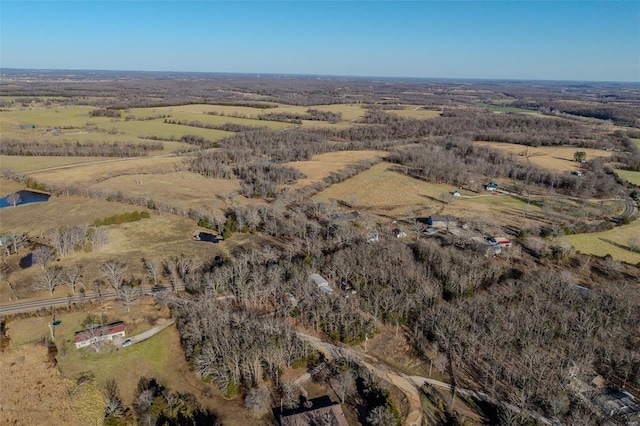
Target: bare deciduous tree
[
  {"x": 50, "y": 278},
  {"x": 42, "y": 256},
  {"x": 258, "y": 401},
  {"x": 114, "y": 272},
  {"x": 128, "y": 294},
  {"x": 14, "y": 199},
  {"x": 73, "y": 276}
]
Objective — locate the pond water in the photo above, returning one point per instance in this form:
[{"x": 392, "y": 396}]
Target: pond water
[
  {"x": 26, "y": 197},
  {"x": 26, "y": 126}
]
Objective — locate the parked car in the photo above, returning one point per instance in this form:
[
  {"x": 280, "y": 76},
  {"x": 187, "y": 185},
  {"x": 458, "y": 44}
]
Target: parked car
[{"x": 126, "y": 343}]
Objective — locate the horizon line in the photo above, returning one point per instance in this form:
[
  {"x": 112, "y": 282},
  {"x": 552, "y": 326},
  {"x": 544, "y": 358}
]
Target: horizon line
[{"x": 284, "y": 74}]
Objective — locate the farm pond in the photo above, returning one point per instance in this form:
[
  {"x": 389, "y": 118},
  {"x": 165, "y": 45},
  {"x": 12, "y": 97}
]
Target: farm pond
[{"x": 26, "y": 197}]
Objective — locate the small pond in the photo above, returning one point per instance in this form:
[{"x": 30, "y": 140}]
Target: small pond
[
  {"x": 26, "y": 197},
  {"x": 26, "y": 126}
]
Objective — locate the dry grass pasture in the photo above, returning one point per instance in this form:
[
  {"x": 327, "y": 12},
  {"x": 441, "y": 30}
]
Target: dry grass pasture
[
  {"x": 615, "y": 242},
  {"x": 416, "y": 113},
  {"x": 29, "y": 163},
  {"x": 33, "y": 392},
  {"x": 384, "y": 189},
  {"x": 100, "y": 169},
  {"x": 157, "y": 239},
  {"x": 629, "y": 176},
  {"x": 557, "y": 158},
  {"x": 183, "y": 189},
  {"x": 322, "y": 165}
]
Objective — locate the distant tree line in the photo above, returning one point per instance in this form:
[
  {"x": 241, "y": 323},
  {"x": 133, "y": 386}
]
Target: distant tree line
[{"x": 77, "y": 149}]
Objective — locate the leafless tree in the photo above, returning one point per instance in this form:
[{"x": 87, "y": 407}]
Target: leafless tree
[
  {"x": 99, "y": 238},
  {"x": 73, "y": 276},
  {"x": 152, "y": 270},
  {"x": 114, "y": 272},
  {"x": 343, "y": 384},
  {"x": 13, "y": 199},
  {"x": 380, "y": 416},
  {"x": 128, "y": 294},
  {"x": 290, "y": 394},
  {"x": 258, "y": 401},
  {"x": 42, "y": 256},
  {"x": 112, "y": 399},
  {"x": 49, "y": 279}
]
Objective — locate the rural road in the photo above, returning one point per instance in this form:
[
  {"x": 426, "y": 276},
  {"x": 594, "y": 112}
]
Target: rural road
[{"x": 14, "y": 308}]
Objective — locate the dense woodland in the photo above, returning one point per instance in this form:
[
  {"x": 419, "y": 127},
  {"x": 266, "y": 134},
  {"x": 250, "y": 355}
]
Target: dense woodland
[{"x": 510, "y": 327}]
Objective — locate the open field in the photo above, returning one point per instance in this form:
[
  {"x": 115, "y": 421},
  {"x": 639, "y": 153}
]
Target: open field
[
  {"x": 29, "y": 163},
  {"x": 90, "y": 173},
  {"x": 33, "y": 392},
  {"x": 384, "y": 189},
  {"x": 420, "y": 114},
  {"x": 197, "y": 113},
  {"x": 557, "y": 158},
  {"x": 503, "y": 109},
  {"x": 349, "y": 111},
  {"x": 637, "y": 141},
  {"x": 184, "y": 189},
  {"x": 157, "y": 239},
  {"x": 140, "y": 129},
  {"x": 629, "y": 176},
  {"x": 161, "y": 356},
  {"x": 615, "y": 242},
  {"x": 322, "y": 165}
]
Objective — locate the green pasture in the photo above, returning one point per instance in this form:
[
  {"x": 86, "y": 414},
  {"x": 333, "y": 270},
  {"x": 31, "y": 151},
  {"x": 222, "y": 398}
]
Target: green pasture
[
  {"x": 44, "y": 118},
  {"x": 615, "y": 242},
  {"x": 629, "y": 176},
  {"x": 637, "y": 141}
]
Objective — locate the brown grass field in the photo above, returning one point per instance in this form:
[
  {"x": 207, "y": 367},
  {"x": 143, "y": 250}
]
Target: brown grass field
[
  {"x": 384, "y": 189},
  {"x": 416, "y": 113},
  {"x": 27, "y": 163},
  {"x": 322, "y": 165},
  {"x": 157, "y": 239},
  {"x": 557, "y": 158},
  {"x": 33, "y": 392},
  {"x": 90, "y": 173},
  {"x": 182, "y": 189}
]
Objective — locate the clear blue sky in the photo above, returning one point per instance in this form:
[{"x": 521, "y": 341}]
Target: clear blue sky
[{"x": 575, "y": 40}]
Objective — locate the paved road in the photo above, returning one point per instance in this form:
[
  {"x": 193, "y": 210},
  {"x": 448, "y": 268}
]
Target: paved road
[{"x": 14, "y": 308}]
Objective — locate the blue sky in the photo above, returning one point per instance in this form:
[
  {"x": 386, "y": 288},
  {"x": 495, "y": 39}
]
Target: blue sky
[{"x": 572, "y": 40}]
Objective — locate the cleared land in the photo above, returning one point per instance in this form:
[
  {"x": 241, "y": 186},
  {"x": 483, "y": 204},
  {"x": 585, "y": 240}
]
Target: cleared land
[
  {"x": 89, "y": 173},
  {"x": 28, "y": 163},
  {"x": 503, "y": 109},
  {"x": 557, "y": 158},
  {"x": 420, "y": 113},
  {"x": 160, "y": 357},
  {"x": 384, "y": 189},
  {"x": 157, "y": 238},
  {"x": 616, "y": 242},
  {"x": 181, "y": 189},
  {"x": 629, "y": 176},
  {"x": 322, "y": 165},
  {"x": 33, "y": 392}
]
